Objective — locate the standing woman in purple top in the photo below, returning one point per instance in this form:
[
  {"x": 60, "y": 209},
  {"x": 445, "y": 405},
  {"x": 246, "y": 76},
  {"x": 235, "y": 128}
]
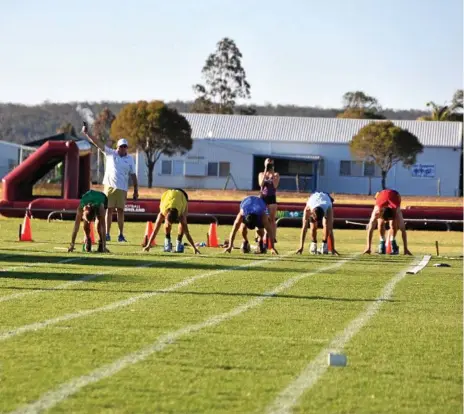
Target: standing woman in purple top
[{"x": 268, "y": 182}]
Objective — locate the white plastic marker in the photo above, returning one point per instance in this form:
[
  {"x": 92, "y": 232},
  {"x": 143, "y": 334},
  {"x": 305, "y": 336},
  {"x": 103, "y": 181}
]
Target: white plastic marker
[
  {"x": 83, "y": 279},
  {"x": 52, "y": 398},
  {"x": 336, "y": 360},
  {"x": 289, "y": 397},
  {"x": 33, "y": 327},
  {"x": 416, "y": 269}
]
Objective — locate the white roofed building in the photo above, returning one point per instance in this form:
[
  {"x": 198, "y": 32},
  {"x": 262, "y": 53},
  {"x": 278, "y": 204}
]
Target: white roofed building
[{"x": 310, "y": 154}]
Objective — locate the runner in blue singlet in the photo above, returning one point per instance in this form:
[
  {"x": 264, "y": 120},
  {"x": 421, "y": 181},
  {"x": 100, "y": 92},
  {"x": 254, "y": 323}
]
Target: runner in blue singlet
[{"x": 252, "y": 215}]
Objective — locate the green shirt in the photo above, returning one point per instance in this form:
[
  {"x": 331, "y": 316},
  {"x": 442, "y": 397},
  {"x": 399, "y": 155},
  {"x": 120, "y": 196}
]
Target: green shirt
[{"x": 95, "y": 198}]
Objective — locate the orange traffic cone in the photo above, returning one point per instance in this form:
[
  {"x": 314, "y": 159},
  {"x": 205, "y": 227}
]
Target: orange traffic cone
[
  {"x": 212, "y": 235},
  {"x": 329, "y": 244},
  {"x": 389, "y": 246},
  {"x": 92, "y": 232},
  {"x": 148, "y": 231},
  {"x": 267, "y": 241},
  {"x": 26, "y": 231}
]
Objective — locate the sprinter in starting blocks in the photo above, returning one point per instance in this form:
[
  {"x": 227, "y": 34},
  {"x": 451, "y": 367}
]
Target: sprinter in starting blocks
[
  {"x": 173, "y": 209},
  {"x": 387, "y": 209},
  {"x": 319, "y": 209},
  {"x": 92, "y": 207},
  {"x": 253, "y": 214}
]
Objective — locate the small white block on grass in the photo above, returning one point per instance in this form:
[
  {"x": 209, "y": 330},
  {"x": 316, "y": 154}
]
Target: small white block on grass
[{"x": 336, "y": 360}]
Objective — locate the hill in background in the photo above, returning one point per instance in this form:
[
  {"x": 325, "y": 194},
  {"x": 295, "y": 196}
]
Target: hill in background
[{"x": 21, "y": 123}]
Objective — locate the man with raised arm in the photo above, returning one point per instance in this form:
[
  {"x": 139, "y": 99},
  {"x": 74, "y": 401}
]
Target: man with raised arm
[{"x": 119, "y": 166}]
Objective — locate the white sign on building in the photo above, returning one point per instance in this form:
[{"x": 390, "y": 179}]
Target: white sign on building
[{"x": 423, "y": 170}]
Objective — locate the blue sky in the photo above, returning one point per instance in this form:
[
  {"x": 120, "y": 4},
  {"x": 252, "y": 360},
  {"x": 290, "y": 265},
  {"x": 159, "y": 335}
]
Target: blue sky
[{"x": 403, "y": 52}]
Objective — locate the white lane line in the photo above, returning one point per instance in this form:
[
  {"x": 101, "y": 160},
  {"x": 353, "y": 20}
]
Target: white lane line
[
  {"x": 52, "y": 398},
  {"x": 33, "y": 327},
  {"x": 41, "y": 264},
  {"x": 81, "y": 279},
  {"x": 289, "y": 397}
]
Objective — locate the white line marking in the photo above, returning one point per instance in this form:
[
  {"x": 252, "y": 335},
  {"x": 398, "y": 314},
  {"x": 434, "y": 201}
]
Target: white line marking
[
  {"x": 317, "y": 367},
  {"x": 80, "y": 280},
  {"x": 41, "y": 264},
  {"x": 5, "y": 335},
  {"x": 52, "y": 398},
  {"x": 416, "y": 269}
]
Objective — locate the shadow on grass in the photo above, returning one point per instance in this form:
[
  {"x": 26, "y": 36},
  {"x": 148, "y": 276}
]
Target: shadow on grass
[
  {"x": 225, "y": 294},
  {"x": 157, "y": 260}
]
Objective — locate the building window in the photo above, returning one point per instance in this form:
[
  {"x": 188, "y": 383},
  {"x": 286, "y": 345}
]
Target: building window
[
  {"x": 224, "y": 169},
  {"x": 166, "y": 167},
  {"x": 351, "y": 168},
  {"x": 371, "y": 170},
  {"x": 177, "y": 167},
  {"x": 12, "y": 164},
  {"x": 213, "y": 169},
  {"x": 345, "y": 168}
]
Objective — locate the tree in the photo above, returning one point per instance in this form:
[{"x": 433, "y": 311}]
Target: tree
[
  {"x": 67, "y": 128},
  {"x": 385, "y": 144},
  {"x": 225, "y": 80},
  {"x": 154, "y": 128},
  {"x": 358, "y": 105},
  {"x": 357, "y": 113},
  {"x": 458, "y": 100},
  {"x": 451, "y": 112}
]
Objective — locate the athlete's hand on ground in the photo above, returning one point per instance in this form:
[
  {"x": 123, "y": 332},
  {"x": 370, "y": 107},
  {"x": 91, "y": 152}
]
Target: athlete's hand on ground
[
  {"x": 274, "y": 251},
  {"x": 146, "y": 249},
  {"x": 71, "y": 248},
  {"x": 300, "y": 250},
  {"x": 407, "y": 252},
  {"x": 335, "y": 253},
  {"x": 367, "y": 251},
  {"x": 197, "y": 251},
  {"x": 228, "y": 250}
]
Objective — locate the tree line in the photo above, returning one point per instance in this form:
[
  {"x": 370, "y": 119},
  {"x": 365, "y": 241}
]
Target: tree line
[{"x": 159, "y": 128}]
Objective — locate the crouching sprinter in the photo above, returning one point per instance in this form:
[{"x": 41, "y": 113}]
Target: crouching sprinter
[
  {"x": 252, "y": 214},
  {"x": 319, "y": 208},
  {"x": 92, "y": 207},
  {"x": 387, "y": 209},
  {"x": 173, "y": 209}
]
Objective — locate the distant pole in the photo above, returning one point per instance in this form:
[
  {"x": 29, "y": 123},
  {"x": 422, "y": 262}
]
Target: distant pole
[
  {"x": 438, "y": 187},
  {"x": 137, "y": 163},
  {"x": 98, "y": 166}
]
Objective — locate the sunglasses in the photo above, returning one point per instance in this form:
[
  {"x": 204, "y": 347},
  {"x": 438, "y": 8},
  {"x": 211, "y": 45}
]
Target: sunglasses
[{"x": 123, "y": 146}]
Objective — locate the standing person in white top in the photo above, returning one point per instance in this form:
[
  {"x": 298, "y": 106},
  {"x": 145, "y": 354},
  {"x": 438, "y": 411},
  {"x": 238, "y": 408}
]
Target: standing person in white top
[
  {"x": 119, "y": 166},
  {"x": 318, "y": 208}
]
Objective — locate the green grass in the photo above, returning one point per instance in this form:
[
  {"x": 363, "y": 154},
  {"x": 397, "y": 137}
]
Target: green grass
[{"x": 407, "y": 359}]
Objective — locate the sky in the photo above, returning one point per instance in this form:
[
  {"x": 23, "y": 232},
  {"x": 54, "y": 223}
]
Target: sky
[{"x": 298, "y": 52}]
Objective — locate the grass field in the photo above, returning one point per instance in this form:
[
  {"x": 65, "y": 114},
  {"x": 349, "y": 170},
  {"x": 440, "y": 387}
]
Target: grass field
[{"x": 132, "y": 332}]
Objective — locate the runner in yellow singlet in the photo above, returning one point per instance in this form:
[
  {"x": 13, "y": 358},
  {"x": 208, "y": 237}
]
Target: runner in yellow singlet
[{"x": 173, "y": 209}]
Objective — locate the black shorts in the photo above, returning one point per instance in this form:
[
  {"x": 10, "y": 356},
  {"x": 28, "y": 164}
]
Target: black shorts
[
  {"x": 105, "y": 203},
  {"x": 183, "y": 192},
  {"x": 269, "y": 199}
]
